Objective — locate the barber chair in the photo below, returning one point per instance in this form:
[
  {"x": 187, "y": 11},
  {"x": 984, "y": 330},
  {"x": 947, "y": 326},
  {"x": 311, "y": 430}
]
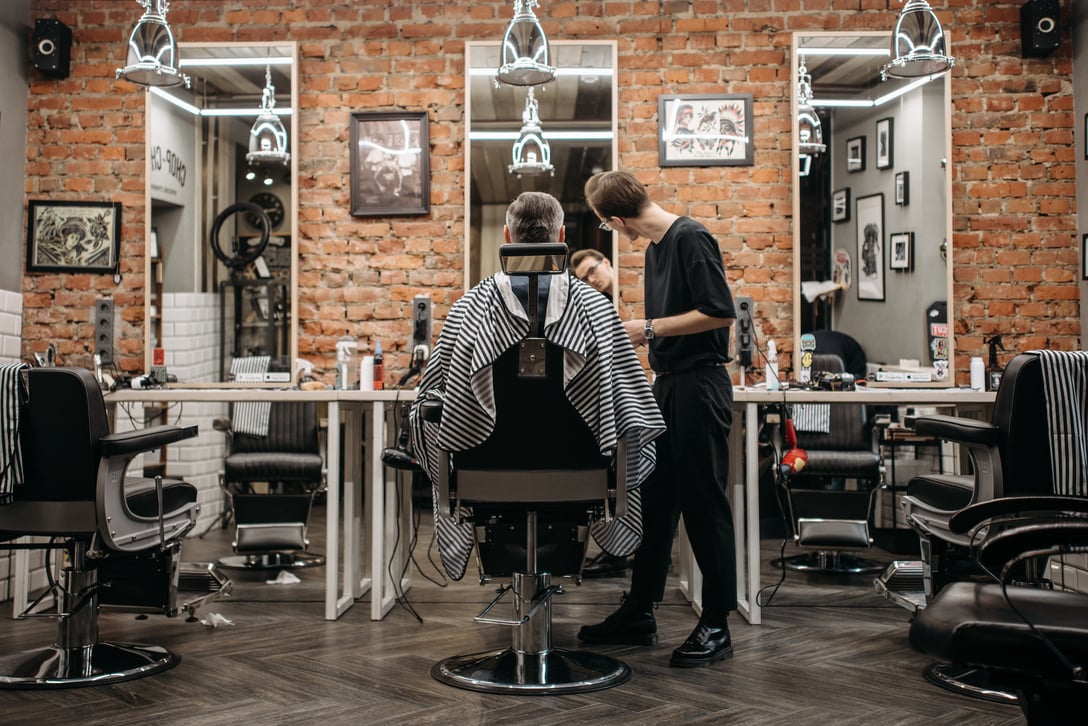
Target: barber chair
[
  {"x": 1009, "y": 456},
  {"x": 830, "y": 522},
  {"x": 74, "y": 491},
  {"x": 1032, "y": 642},
  {"x": 531, "y": 491},
  {"x": 271, "y": 525}
]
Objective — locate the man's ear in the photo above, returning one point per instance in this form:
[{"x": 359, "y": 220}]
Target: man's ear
[
  {"x": 506, "y": 234},
  {"x": 563, "y": 233}
]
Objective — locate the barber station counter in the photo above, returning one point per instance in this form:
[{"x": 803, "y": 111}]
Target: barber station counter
[
  {"x": 364, "y": 562},
  {"x": 744, "y": 471}
]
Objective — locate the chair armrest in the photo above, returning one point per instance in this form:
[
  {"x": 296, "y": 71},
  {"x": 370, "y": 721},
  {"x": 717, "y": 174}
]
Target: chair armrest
[
  {"x": 152, "y": 437},
  {"x": 960, "y": 430},
  {"x": 1034, "y": 538},
  {"x": 970, "y": 517}
]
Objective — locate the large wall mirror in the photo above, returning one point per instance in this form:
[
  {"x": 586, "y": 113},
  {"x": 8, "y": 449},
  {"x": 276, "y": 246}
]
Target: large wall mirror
[
  {"x": 872, "y": 213},
  {"x": 204, "y": 314},
  {"x": 577, "y": 112}
]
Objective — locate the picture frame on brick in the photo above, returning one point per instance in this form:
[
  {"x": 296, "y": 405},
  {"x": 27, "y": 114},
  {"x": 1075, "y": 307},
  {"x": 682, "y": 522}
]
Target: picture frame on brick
[
  {"x": 73, "y": 236},
  {"x": 390, "y": 164},
  {"x": 705, "y": 129}
]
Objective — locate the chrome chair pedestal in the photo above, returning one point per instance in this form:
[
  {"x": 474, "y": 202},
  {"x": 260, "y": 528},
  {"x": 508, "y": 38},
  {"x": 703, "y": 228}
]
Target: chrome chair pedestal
[
  {"x": 272, "y": 561},
  {"x": 829, "y": 563}
]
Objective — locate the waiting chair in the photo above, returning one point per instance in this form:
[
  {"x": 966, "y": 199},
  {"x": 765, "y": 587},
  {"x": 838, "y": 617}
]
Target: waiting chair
[
  {"x": 271, "y": 525},
  {"x": 75, "y": 492},
  {"x": 1010, "y": 456},
  {"x": 533, "y": 488},
  {"x": 1032, "y": 642},
  {"x": 830, "y": 521}
]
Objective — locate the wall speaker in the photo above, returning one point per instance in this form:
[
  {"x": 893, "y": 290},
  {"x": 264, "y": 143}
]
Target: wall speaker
[
  {"x": 103, "y": 329},
  {"x": 746, "y": 338},
  {"x": 1040, "y": 28},
  {"x": 51, "y": 47}
]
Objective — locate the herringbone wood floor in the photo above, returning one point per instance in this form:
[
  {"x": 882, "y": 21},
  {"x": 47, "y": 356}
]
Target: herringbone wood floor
[{"x": 828, "y": 653}]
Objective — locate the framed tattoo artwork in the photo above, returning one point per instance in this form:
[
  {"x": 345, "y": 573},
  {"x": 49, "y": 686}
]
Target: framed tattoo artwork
[
  {"x": 707, "y": 129},
  {"x": 870, "y": 247},
  {"x": 73, "y": 236},
  {"x": 885, "y": 154}
]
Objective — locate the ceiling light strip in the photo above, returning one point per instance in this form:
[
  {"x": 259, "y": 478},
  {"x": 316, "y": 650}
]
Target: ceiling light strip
[
  {"x": 550, "y": 135},
  {"x": 238, "y": 62}
]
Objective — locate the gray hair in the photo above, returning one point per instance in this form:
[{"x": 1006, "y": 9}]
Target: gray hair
[{"x": 534, "y": 217}]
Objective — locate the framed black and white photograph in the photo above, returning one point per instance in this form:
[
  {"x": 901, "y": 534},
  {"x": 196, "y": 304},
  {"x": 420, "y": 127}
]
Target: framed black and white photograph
[
  {"x": 901, "y": 256},
  {"x": 1084, "y": 257},
  {"x": 73, "y": 236},
  {"x": 840, "y": 205},
  {"x": 705, "y": 129},
  {"x": 855, "y": 154},
  {"x": 870, "y": 247},
  {"x": 390, "y": 164},
  {"x": 885, "y": 141},
  {"x": 902, "y": 188}
]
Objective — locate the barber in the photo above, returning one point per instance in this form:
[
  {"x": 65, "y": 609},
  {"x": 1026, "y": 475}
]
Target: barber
[{"x": 688, "y": 313}]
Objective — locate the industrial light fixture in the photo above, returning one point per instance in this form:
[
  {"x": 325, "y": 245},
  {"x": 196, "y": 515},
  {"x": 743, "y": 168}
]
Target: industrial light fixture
[
  {"x": 918, "y": 44},
  {"x": 268, "y": 137},
  {"x": 532, "y": 153},
  {"x": 810, "y": 132},
  {"x": 152, "y": 52},
  {"x": 525, "y": 53}
]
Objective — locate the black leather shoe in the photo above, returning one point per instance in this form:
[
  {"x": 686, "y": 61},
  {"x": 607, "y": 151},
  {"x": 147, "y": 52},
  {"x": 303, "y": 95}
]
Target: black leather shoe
[
  {"x": 705, "y": 645},
  {"x": 606, "y": 565},
  {"x": 632, "y": 624}
]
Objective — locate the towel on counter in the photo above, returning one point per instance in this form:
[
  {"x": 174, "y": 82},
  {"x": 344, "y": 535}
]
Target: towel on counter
[{"x": 250, "y": 417}]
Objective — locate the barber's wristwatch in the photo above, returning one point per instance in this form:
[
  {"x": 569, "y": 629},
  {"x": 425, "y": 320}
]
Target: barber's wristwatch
[{"x": 648, "y": 331}]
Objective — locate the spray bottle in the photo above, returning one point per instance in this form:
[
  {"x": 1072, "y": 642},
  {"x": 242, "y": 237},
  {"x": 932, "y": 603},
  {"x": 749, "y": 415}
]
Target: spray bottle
[
  {"x": 772, "y": 366},
  {"x": 993, "y": 370},
  {"x": 379, "y": 367},
  {"x": 345, "y": 351}
]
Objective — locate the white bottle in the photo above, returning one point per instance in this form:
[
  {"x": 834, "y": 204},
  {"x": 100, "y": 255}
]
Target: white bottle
[
  {"x": 978, "y": 373},
  {"x": 772, "y": 367}
]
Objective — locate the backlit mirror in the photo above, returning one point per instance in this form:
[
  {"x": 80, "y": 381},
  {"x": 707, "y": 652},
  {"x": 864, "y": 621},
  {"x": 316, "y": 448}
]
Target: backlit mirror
[
  {"x": 205, "y": 309},
  {"x": 577, "y": 113},
  {"x": 872, "y": 213}
]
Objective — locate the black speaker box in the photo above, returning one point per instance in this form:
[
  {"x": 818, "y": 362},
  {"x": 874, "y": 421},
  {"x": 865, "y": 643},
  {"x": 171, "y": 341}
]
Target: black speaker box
[
  {"x": 103, "y": 329},
  {"x": 1040, "y": 28},
  {"x": 51, "y": 49}
]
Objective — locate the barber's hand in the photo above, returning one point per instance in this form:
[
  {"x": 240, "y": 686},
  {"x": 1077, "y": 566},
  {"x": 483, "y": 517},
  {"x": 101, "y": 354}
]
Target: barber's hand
[{"x": 636, "y": 331}]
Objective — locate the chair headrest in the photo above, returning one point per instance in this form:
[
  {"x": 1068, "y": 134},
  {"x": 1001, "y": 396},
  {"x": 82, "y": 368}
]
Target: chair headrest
[{"x": 533, "y": 258}]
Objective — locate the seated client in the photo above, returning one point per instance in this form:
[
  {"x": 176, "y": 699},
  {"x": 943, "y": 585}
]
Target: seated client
[{"x": 603, "y": 378}]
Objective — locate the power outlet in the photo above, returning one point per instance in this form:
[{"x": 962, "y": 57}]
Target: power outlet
[
  {"x": 745, "y": 332},
  {"x": 421, "y": 321},
  {"x": 103, "y": 329}
]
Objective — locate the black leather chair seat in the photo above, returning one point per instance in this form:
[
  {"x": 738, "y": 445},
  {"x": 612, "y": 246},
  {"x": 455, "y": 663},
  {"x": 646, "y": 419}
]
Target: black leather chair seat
[
  {"x": 849, "y": 464},
  {"x": 947, "y": 492},
  {"x": 143, "y": 501},
  {"x": 971, "y": 624},
  {"x": 272, "y": 466}
]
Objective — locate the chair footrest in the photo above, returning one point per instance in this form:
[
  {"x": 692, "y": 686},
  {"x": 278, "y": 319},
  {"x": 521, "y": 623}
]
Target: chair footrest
[{"x": 833, "y": 533}]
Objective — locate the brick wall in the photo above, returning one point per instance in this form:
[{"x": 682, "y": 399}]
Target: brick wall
[{"x": 1016, "y": 258}]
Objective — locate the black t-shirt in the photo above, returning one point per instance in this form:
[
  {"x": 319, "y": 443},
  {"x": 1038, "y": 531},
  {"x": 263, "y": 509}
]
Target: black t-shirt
[{"x": 684, "y": 272}]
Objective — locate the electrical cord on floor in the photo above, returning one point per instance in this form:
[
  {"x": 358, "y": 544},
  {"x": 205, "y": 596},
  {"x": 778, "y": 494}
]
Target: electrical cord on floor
[
  {"x": 444, "y": 582},
  {"x": 398, "y": 593},
  {"x": 778, "y": 476}
]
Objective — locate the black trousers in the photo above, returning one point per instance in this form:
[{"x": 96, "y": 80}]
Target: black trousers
[{"x": 690, "y": 479}]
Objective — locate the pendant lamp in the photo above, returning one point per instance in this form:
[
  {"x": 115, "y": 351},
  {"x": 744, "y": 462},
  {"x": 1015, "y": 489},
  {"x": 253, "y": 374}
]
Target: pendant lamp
[
  {"x": 532, "y": 153},
  {"x": 152, "y": 58},
  {"x": 268, "y": 137},
  {"x": 810, "y": 132},
  {"x": 525, "y": 54},
  {"x": 918, "y": 44}
]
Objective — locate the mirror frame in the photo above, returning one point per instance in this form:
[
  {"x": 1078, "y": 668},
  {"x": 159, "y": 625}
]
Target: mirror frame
[
  {"x": 797, "y": 39},
  {"x": 291, "y": 47},
  {"x": 469, "y": 46}
]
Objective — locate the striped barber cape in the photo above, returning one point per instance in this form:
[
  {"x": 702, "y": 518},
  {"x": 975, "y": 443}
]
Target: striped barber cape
[{"x": 602, "y": 379}]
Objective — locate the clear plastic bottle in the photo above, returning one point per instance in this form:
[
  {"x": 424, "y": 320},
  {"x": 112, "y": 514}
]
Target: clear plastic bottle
[
  {"x": 772, "y": 367},
  {"x": 379, "y": 367}
]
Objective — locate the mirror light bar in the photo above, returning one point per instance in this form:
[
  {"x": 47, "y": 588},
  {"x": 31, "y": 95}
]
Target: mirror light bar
[
  {"x": 235, "y": 112},
  {"x": 210, "y": 62},
  {"x": 558, "y": 71},
  {"x": 551, "y": 135},
  {"x": 880, "y": 101}
]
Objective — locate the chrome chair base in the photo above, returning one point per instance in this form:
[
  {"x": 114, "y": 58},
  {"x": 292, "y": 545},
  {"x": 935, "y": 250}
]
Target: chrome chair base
[
  {"x": 555, "y": 672},
  {"x": 903, "y": 583},
  {"x": 90, "y": 665},
  {"x": 968, "y": 681},
  {"x": 829, "y": 563},
  {"x": 272, "y": 561}
]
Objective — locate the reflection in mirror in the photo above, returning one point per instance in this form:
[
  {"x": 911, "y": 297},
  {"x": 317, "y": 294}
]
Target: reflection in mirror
[
  {"x": 209, "y": 296},
  {"x": 577, "y": 113},
  {"x": 872, "y": 214}
]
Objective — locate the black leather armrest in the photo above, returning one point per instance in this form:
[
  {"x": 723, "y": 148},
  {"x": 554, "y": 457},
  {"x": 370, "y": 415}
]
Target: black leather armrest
[
  {"x": 970, "y": 517},
  {"x": 431, "y": 411},
  {"x": 960, "y": 430},
  {"x": 140, "y": 440},
  {"x": 1039, "y": 536}
]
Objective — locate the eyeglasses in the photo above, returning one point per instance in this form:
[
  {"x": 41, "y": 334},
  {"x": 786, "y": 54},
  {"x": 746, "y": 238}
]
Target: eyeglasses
[
  {"x": 592, "y": 270},
  {"x": 604, "y": 225}
]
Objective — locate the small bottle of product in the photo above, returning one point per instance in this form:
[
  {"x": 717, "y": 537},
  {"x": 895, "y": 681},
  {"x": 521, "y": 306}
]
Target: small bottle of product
[
  {"x": 978, "y": 373},
  {"x": 994, "y": 370},
  {"x": 379, "y": 367},
  {"x": 772, "y": 367}
]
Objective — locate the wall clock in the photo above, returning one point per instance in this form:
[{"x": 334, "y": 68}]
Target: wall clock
[{"x": 272, "y": 206}]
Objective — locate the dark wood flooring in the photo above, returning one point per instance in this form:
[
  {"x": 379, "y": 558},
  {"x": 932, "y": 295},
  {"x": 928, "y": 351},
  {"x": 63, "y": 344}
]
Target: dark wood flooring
[{"x": 829, "y": 652}]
